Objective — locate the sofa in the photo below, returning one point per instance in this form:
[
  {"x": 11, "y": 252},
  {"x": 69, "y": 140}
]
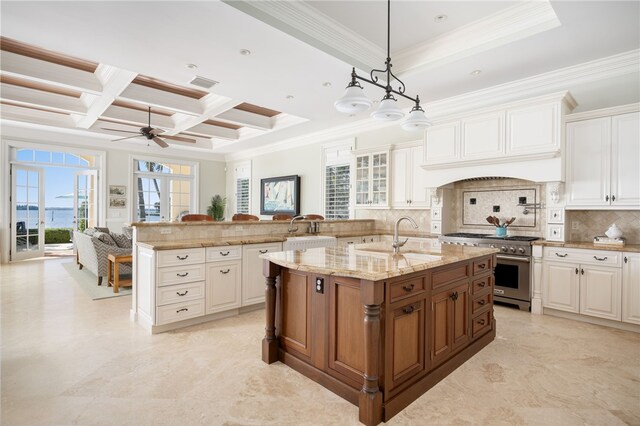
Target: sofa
[{"x": 95, "y": 244}]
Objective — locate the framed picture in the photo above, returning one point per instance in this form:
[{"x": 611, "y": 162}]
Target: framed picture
[
  {"x": 117, "y": 203},
  {"x": 280, "y": 195},
  {"x": 118, "y": 190}
]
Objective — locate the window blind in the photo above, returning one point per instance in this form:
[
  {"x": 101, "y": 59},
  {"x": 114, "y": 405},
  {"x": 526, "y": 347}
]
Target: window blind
[
  {"x": 242, "y": 195},
  {"x": 336, "y": 203}
]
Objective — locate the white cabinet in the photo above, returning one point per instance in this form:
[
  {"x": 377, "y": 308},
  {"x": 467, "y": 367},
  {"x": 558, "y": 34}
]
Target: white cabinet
[
  {"x": 347, "y": 241},
  {"x": 253, "y": 283},
  {"x": 561, "y": 286},
  {"x": 370, "y": 180},
  {"x": 631, "y": 288},
  {"x": 442, "y": 143},
  {"x": 408, "y": 183},
  {"x": 482, "y": 136},
  {"x": 533, "y": 129},
  {"x": 223, "y": 283},
  {"x": 602, "y": 162},
  {"x": 600, "y": 292}
]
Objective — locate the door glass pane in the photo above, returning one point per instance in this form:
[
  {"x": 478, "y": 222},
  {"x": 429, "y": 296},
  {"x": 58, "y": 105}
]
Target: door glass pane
[
  {"x": 24, "y": 155},
  {"x": 32, "y": 179},
  {"x": 148, "y": 200},
  {"x": 179, "y": 196},
  {"x": 21, "y": 177},
  {"x": 43, "y": 156},
  {"x": 26, "y": 210}
]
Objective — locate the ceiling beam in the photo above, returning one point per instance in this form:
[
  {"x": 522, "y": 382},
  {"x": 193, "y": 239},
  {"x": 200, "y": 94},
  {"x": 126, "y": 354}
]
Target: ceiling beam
[
  {"x": 48, "y": 72},
  {"x": 114, "y": 81},
  {"x": 213, "y": 105},
  {"x": 245, "y": 119},
  {"x": 37, "y": 116},
  {"x": 162, "y": 99},
  {"x": 137, "y": 117},
  {"x": 27, "y": 96}
]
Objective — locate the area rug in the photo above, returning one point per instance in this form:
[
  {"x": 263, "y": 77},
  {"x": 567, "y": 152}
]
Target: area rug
[{"x": 89, "y": 283}]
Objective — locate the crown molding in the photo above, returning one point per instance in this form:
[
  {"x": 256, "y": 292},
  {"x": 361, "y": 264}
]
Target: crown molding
[
  {"x": 504, "y": 27},
  {"x": 308, "y": 24},
  {"x": 604, "y": 112}
]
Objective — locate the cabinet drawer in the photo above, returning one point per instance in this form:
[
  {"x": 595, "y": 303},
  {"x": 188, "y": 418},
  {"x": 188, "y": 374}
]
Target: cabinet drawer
[
  {"x": 180, "y": 274},
  {"x": 480, "y": 303},
  {"x": 481, "y": 324},
  {"x": 584, "y": 256},
  {"x": 407, "y": 288},
  {"x": 449, "y": 275},
  {"x": 555, "y": 232},
  {"x": 481, "y": 266},
  {"x": 481, "y": 285},
  {"x": 179, "y": 293},
  {"x": 555, "y": 215},
  {"x": 436, "y": 213},
  {"x": 179, "y": 311},
  {"x": 180, "y": 257},
  {"x": 436, "y": 227},
  {"x": 224, "y": 253}
]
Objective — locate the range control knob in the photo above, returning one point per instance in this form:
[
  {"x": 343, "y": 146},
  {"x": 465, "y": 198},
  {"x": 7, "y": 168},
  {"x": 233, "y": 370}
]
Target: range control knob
[
  {"x": 493, "y": 246},
  {"x": 512, "y": 249},
  {"x": 503, "y": 249},
  {"x": 521, "y": 250}
]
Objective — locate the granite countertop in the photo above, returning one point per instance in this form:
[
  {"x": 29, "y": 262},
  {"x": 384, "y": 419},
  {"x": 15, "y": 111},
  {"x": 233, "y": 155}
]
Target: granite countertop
[
  {"x": 633, "y": 248},
  {"x": 374, "y": 261},
  {"x": 241, "y": 223}
]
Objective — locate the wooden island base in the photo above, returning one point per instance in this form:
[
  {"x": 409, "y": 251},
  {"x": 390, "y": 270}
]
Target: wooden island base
[{"x": 379, "y": 344}]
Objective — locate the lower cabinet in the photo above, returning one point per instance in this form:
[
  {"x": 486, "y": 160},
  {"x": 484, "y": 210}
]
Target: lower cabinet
[
  {"x": 631, "y": 288},
  {"x": 223, "y": 291},
  {"x": 561, "y": 286},
  {"x": 252, "y": 278},
  {"x": 600, "y": 292},
  {"x": 405, "y": 329},
  {"x": 449, "y": 321}
]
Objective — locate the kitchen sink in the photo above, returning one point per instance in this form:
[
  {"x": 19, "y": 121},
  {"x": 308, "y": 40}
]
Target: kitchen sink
[{"x": 308, "y": 242}]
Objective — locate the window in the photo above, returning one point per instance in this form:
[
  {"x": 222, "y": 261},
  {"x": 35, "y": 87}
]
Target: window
[
  {"x": 336, "y": 175},
  {"x": 25, "y": 155},
  {"x": 164, "y": 191},
  {"x": 242, "y": 177}
]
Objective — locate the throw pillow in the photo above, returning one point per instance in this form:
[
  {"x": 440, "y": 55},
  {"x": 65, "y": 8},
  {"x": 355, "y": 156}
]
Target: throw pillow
[
  {"x": 90, "y": 231},
  {"x": 104, "y": 237},
  {"x": 128, "y": 231},
  {"x": 121, "y": 240}
]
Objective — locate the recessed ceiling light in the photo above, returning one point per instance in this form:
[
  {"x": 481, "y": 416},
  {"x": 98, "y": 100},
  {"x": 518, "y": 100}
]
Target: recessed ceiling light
[
  {"x": 289, "y": 97},
  {"x": 376, "y": 101},
  {"x": 440, "y": 18},
  {"x": 245, "y": 52},
  {"x": 192, "y": 66},
  {"x": 352, "y": 115},
  {"x": 327, "y": 84},
  {"x": 475, "y": 72}
]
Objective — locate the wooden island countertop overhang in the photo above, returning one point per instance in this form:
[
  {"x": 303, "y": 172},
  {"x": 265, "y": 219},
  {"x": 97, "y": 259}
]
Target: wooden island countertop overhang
[{"x": 378, "y": 329}]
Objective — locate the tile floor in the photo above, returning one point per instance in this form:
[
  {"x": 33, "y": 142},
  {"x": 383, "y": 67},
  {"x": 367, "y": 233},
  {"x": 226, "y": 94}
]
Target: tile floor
[{"x": 69, "y": 360}]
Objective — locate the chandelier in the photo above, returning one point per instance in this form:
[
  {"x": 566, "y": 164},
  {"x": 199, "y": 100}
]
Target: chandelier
[{"x": 354, "y": 100}]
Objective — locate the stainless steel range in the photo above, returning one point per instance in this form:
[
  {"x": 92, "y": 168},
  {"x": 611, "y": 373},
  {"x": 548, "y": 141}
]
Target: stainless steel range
[{"x": 513, "y": 269}]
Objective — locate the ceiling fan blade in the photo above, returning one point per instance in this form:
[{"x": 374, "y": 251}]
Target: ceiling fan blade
[
  {"x": 128, "y": 137},
  {"x": 160, "y": 142},
  {"x": 179, "y": 138},
  {"x": 156, "y": 132},
  {"x": 118, "y": 130}
]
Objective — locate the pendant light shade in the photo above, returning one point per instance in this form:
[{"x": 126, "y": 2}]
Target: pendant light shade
[
  {"x": 416, "y": 120},
  {"x": 353, "y": 100},
  {"x": 387, "y": 111}
]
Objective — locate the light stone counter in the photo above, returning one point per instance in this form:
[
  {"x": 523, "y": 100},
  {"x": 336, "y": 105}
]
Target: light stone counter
[
  {"x": 632, "y": 248},
  {"x": 374, "y": 261}
]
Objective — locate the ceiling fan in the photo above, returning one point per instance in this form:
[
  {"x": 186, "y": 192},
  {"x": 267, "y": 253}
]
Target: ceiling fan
[{"x": 151, "y": 134}]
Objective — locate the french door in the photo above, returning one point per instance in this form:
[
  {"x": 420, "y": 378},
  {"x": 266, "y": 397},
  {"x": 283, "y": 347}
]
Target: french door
[
  {"x": 85, "y": 200},
  {"x": 27, "y": 212}
]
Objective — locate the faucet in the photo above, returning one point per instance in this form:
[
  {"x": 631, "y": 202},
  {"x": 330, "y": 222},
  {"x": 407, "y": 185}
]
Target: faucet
[
  {"x": 396, "y": 240},
  {"x": 291, "y": 228}
]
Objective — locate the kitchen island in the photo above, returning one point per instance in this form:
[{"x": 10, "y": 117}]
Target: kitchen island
[{"x": 378, "y": 329}]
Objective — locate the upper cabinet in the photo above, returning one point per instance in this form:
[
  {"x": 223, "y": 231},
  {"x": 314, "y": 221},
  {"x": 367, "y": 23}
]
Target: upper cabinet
[
  {"x": 408, "y": 183},
  {"x": 602, "y": 162},
  {"x": 523, "y": 130},
  {"x": 370, "y": 182}
]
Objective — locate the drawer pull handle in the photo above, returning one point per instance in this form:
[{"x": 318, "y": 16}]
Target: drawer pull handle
[
  {"x": 454, "y": 296},
  {"x": 182, "y": 310},
  {"x": 183, "y": 275},
  {"x": 183, "y": 257},
  {"x": 182, "y": 294},
  {"x": 482, "y": 302},
  {"x": 263, "y": 251},
  {"x": 482, "y": 284},
  {"x": 408, "y": 309},
  {"x": 481, "y": 322},
  {"x": 224, "y": 254},
  {"x": 408, "y": 288},
  {"x": 601, "y": 259},
  {"x": 562, "y": 255},
  {"x": 482, "y": 266},
  {"x": 225, "y": 272}
]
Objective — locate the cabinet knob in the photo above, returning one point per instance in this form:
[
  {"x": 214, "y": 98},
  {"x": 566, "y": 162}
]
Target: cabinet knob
[
  {"x": 408, "y": 309},
  {"x": 626, "y": 260},
  {"x": 482, "y": 284},
  {"x": 408, "y": 288},
  {"x": 606, "y": 198},
  {"x": 582, "y": 271},
  {"x": 481, "y": 322},
  {"x": 454, "y": 296},
  {"x": 576, "y": 271},
  {"x": 613, "y": 198},
  {"x": 482, "y": 302}
]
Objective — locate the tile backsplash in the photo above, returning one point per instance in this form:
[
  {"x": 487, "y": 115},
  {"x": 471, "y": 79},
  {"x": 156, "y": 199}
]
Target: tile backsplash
[
  {"x": 591, "y": 223},
  {"x": 386, "y": 219}
]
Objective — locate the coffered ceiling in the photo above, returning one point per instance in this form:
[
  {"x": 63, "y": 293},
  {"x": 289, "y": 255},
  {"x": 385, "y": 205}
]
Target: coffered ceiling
[{"x": 95, "y": 65}]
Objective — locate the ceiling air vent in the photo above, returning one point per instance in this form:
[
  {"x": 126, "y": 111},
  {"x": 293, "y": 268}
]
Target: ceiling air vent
[{"x": 203, "y": 82}]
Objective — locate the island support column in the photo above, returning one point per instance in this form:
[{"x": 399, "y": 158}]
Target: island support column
[
  {"x": 271, "y": 271},
  {"x": 370, "y": 400}
]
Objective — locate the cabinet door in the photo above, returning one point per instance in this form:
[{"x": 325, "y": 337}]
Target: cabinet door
[
  {"x": 460, "y": 315},
  {"x": 483, "y": 136},
  {"x": 223, "y": 286},
  {"x": 561, "y": 286},
  {"x": 400, "y": 166},
  {"x": 362, "y": 171},
  {"x": 419, "y": 196},
  {"x": 442, "y": 143},
  {"x": 405, "y": 334},
  {"x": 588, "y": 162},
  {"x": 253, "y": 282},
  {"x": 533, "y": 129},
  {"x": 600, "y": 292},
  {"x": 625, "y": 152},
  {"x": 449, "y": 322},
  {"x": 379, "y": 179},
  {"x": 631, "y": 288}
]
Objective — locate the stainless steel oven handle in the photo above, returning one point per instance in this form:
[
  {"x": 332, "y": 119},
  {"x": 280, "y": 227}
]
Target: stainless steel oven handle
[{"x": 514, "y": 258}]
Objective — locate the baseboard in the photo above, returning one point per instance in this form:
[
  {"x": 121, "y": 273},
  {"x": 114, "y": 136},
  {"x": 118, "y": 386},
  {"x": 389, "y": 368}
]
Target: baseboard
[{"x": 593, "y": 320}]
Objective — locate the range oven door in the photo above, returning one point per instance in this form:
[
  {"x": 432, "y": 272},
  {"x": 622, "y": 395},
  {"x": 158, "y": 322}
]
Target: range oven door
[{"x": 512, "y": 277}]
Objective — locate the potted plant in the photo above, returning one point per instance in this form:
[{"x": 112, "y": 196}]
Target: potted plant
[{"x": 216, "y": 209}]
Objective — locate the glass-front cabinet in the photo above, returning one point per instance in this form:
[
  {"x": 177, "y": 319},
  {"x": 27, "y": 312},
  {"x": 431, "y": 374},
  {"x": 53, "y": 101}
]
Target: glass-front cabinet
[{"x": 371, "y": 184}]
